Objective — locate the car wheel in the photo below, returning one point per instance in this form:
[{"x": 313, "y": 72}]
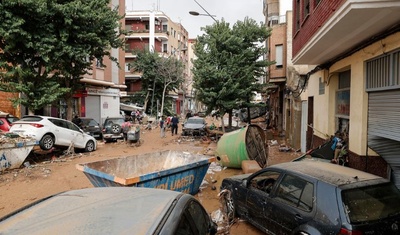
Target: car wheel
[
  {"x": 228, "y": 206},
  {"x": 115, "y": 129},
  {"x": 47, "y": 142},
  {"x": 89, "y": 146}
]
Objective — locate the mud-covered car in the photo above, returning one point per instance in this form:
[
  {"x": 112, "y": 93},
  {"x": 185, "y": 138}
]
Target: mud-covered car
[
  {"x": 91, "y": 126},
  {"x": 194, "y": 126},
  {"x": 112, "y": 129},
  {"x": 112, "y": 210},
  {"x": 315, "y": 198}
]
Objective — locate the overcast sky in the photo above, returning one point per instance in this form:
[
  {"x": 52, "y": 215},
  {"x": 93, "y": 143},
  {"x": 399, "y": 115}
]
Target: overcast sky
[{"x": 230, "y": 10}]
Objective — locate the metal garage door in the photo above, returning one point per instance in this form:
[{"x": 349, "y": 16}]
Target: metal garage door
[
  {"x": 384, "y": 128},
  {"x": 92, "y": 107}
]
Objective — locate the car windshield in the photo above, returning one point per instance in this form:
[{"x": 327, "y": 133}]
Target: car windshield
[
  {"x": 371, "y": 203},
  {"x": 31, "y": 119},
  {"x": 118, "y": 121},
  {"x": 12, "y": 119},
  {"x": 195, "y": 121},
  {"x": 89, "y": 122}
]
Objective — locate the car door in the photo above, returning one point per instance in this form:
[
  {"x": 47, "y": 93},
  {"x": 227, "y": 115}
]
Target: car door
[
  {"x": 260, "y": 186},
  {"x": 292, "y": 204},
  {"x": 75, "y": 135},
  {"x": 58, "y": 130}
]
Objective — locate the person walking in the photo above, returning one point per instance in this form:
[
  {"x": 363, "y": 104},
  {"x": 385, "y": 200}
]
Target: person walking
[
  {"x": 162, "y": 127},
  {"x": 174, "y": 125}
]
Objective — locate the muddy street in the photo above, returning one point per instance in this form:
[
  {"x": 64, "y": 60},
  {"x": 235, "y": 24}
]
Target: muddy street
[{"x": 49, "y": 173}]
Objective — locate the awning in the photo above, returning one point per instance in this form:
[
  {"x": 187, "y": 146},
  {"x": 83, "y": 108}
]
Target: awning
[
  {"x": 97, "y": 82},
  {"x": 129, "y": 107}
]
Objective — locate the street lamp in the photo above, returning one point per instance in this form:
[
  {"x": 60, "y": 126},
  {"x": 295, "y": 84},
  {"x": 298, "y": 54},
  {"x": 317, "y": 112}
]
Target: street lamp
[{"x": 195, "y": 13}]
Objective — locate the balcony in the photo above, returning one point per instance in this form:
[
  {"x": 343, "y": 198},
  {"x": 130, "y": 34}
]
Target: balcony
[
  {"x": 145, "y": 33},
  {"x": 355, "y": 24}
]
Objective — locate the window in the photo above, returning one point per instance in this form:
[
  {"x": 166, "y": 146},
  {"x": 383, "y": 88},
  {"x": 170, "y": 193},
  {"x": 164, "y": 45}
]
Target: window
[
  {"x": 264, "y": 181},
  {"x": 184, "y": 227},
  {"x": 343, "y": 102},
  {"x": 296, "y": 192},
  {"x": 383, "y": 72},
  {"x": 306, "y": 8},
  {"x": 199, "y": 217},
  {"x": 321, "y": 86},
  {"x": 165, "y": 47},
  {"x": 99, "y": 63},
  {"x": 165, "y": 28},
  {"x": 297, "y": 12},
  {"x": 371, "y": 203},
  {"x": 279, "y": 56},
  {"x": 194, "y": 220},
  {"x": 127, "y": 67}
]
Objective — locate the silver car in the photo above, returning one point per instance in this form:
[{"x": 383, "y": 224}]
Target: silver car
[
  {"x": 51, "y": 132},
  {"x": 112, "y": 210},
  {"x": 194, "y": 126}
]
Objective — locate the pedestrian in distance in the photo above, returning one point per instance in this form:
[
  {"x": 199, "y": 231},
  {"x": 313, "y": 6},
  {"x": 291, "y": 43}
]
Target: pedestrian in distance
[
  {"x": 162, "y": 127},
  {"x": 77, "y": 121},
  {"x": 188, "y": 115},
  {"x": 174, "y": 125}
]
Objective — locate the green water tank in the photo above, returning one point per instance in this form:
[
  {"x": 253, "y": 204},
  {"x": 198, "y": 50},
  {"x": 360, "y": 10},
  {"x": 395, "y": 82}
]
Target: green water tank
[{"x": 247, "y": 143}]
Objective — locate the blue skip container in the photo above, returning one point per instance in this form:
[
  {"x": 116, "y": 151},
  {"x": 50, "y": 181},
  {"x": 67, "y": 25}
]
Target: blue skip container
[{"x": 171, "y": 170}]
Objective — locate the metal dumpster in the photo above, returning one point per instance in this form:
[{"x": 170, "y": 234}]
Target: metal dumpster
[
  {"x": 13, "y": 152},
  {"x": 172, "y": 170}
]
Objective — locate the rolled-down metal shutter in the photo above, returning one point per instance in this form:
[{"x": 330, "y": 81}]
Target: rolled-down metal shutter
[{"x": 384, "y": 128}]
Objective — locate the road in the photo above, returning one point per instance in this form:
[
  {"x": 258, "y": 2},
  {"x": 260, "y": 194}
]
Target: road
[{"x": 53, "y": 173}]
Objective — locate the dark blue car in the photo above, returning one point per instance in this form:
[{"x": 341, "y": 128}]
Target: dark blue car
[{"x": 315, "y": 198}]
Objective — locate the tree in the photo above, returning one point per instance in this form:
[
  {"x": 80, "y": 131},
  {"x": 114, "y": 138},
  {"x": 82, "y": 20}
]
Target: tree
[
  {"x": 160, "y": 75},
  {"x": 170, "y": 71},
  {"x": 47, "y": 46},
  {"x": 229, "y": 61}
]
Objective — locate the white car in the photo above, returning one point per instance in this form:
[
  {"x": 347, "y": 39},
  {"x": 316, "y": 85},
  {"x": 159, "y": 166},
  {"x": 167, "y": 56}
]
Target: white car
[{"x": 51, "y": 131}]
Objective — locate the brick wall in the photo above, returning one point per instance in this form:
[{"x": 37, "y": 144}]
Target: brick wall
[
  {"x": 311, "y": 23},
  {"x": 6, "y": 104}
]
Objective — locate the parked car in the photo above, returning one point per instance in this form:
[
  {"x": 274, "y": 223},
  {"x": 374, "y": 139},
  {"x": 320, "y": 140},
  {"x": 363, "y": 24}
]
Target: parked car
[
  {"x": 194, "y": 126},
  {"x": 112, "y": 129},
  {"x": 51, "y": 132},
  {"x": 112, "y": 210},
  {"x": 311, "y": 197},
  {"x": 91, "y": 126},
  {"x": 6, "y": 120}
]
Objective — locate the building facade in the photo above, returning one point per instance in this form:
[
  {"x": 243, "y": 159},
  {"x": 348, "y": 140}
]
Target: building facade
[
  {"x": 100, "y": 95},
  {"x": 155, "y": 31},
  {"x": 283, "y": 77},
  {"x": 352, "y": 84}
]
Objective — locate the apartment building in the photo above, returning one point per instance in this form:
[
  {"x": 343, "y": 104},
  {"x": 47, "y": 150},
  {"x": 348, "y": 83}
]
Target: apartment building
[
  {"x": 283, "y": 77},
  {"x": 100, "y": 96},
  {"x": 155, "y": 31},
  {"x": 352, "y": 84}
]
